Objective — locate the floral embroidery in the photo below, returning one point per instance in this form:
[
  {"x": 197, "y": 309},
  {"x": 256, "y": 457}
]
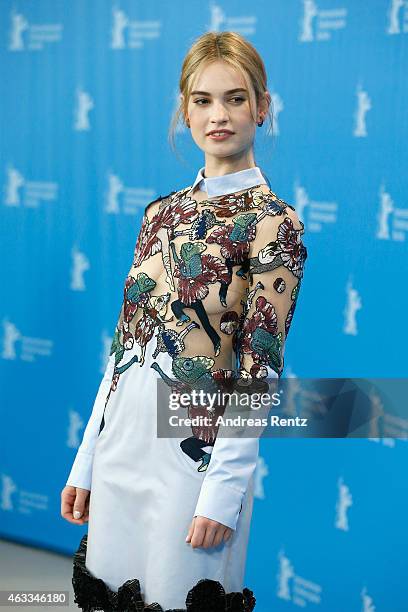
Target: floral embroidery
[{"x": 227, "y": 270}]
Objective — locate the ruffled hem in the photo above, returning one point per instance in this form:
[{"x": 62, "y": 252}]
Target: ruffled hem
[{"x": 93, "y": 594}]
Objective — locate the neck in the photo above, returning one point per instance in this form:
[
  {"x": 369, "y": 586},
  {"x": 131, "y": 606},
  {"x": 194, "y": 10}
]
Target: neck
[{"x": 218, "y": 167}]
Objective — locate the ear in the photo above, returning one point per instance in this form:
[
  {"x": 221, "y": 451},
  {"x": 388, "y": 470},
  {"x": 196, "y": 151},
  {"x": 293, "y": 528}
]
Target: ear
[
  {"x": 181, "y": 100},
  {"x": 266, "y": 101}
]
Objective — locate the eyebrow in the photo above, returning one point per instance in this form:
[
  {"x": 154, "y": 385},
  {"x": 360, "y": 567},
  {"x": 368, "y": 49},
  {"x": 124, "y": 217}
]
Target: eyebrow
[{"x": 230, "y": 91}]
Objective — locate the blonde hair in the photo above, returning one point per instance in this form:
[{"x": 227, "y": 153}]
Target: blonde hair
[{"x": 233, "y": 49}]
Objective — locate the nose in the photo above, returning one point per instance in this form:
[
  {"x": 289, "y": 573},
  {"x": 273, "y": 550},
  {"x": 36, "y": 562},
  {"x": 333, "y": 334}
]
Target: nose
[{"x": 219, "y": 113}]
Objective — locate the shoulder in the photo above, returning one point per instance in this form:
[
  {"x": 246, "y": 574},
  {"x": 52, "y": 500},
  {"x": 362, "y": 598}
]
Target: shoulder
[
  {"x": 278, "y": 233},
  {"x": 165, "y": 197},
  {"x": 274, "y": 210},
  {"x": 174, "y": 195},
  {"x": 162, "y": 199}
]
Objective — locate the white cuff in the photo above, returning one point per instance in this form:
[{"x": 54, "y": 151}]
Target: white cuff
[
  {"x": 81, "y": 471},
  {"x": 233, "y": 461},
  {"x": 219, "y": 502}
]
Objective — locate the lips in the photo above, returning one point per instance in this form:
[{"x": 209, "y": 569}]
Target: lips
[
  {"x": 221, "y": 135},
  {"x": 222, "y": 132}
]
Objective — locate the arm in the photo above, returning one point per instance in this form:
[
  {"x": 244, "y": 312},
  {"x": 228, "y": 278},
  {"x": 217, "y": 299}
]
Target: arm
[
  {"x": 277, "y": 259},
  {"x": 81, "y": 471},
  {"x": 80, "y": 475}
]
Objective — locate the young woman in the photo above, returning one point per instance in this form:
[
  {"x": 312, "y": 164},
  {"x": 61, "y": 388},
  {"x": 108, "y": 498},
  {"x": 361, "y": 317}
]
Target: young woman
[{"x": 209, "y": 299}]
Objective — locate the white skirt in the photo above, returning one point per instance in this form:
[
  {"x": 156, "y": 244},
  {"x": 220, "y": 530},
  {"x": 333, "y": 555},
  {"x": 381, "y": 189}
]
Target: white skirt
[{"x": 144, "y": 493}]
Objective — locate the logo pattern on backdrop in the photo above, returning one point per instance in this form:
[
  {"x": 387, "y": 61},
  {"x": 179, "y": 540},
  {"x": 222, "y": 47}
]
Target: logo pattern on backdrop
[{"x": 85, "y": 110}]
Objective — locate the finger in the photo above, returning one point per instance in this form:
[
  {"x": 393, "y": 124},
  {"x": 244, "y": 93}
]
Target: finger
[
  {"x": 198, "y": 535},
  {"x": 227, "y": 534},
  {"x": 190, "y": 531},
  {"x": 70, "y": 519},
  {"x": 68, "y": 490},
  {"x": 66, "y": 510},
  {"x": 66, "y": 506},
  {"x": 219, "y": 536},
  {"x": 79, "y": 503},
  {"x": 210, "y": 533}
]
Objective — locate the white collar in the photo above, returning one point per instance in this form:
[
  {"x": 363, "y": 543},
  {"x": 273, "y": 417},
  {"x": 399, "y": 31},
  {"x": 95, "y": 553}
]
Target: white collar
[{"x": 229, "y": 183}]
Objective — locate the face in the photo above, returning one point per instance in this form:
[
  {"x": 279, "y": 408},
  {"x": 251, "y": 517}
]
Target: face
[{"x": 220, "y": 101}]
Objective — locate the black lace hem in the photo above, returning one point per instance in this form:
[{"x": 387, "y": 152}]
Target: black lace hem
[{"x": 93, "y": 594}]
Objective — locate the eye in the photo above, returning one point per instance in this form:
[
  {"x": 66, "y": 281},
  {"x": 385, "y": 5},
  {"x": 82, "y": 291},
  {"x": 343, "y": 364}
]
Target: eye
[{"x": 236, "y": 98}]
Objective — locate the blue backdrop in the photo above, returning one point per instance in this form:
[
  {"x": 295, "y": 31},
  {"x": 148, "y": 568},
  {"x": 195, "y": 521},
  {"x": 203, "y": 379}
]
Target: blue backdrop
[{"x": 88, "y": 90}]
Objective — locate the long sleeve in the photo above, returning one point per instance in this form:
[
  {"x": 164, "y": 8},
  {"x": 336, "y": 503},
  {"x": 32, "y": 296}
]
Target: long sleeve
[
  {"x": 276, "y": 262},
  {"x": 81, "y": 471}
]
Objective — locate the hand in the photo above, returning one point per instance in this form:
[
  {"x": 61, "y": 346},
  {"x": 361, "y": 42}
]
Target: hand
[
  {"x": 206, "y": 533},
  {"x": 72, "y": 500}
]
